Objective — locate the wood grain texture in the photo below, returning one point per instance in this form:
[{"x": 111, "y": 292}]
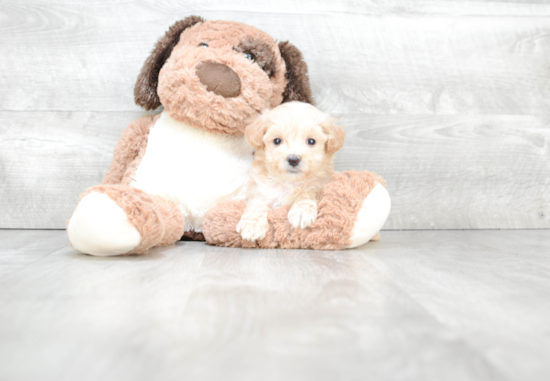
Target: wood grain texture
[
  {"x": 23, "y": 247},
  {"x": 448, "y": 100},
  {"x": 480, "y": 277},
  {"x": 443, "y": 305},
  {"x": 443, "y": 172},
  {"x": 47, "y": 159},
  {"x": 456, "y": 172},
  {"x": 394, "y": 58}
]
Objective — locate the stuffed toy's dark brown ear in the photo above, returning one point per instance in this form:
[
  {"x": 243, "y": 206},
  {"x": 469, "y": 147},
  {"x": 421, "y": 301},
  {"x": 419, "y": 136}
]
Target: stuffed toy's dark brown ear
[
  {"x": 145, "y": 90},
  {"x": 297, "y": 88}
]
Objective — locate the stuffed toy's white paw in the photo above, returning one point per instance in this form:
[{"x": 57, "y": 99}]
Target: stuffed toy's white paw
[
  {"x": 302, "y": 214},
  {"x": 100, "y": 227},
  {"x": 371, "y": 217}
]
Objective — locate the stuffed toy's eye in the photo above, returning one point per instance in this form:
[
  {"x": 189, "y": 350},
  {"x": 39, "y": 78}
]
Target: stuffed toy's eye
[
  {"x": 249, "y": 56},
  {"x": 311, "y": 142},
  {"x": 203, "y": 45},
  {"x": 277, "y": 141}
]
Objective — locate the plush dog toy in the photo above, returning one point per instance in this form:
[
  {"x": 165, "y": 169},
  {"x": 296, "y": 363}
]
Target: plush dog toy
[{"x": 183, "y": 172}]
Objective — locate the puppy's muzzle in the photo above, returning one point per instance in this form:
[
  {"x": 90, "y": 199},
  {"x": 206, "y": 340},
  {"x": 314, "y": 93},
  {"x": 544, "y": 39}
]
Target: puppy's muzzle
[
  {"x": 219, "y": 78},
  {"x": 293, "y": 160}
]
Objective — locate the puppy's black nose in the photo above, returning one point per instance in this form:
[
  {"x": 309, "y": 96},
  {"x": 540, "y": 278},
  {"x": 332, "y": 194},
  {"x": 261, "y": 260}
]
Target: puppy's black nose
[{"x": 293, "y": 160}]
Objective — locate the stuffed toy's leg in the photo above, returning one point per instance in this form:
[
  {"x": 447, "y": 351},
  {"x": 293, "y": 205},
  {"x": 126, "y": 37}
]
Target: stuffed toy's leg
[
  {"x": 119, "y": 220},
  {"x": 353, "y": 208}
]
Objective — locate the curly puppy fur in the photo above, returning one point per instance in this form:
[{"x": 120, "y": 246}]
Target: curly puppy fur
[
  {"x": 295, "y": 144},
  {"x": 341, "y": 199}
]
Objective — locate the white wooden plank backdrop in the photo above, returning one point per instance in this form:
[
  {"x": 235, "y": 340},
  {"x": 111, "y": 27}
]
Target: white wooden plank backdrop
[{"x": 448, "y": 100}]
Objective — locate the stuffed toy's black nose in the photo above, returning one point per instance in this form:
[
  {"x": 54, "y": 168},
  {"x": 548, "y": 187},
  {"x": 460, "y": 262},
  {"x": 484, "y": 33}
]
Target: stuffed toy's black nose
[{"x": 293, "y": 160}]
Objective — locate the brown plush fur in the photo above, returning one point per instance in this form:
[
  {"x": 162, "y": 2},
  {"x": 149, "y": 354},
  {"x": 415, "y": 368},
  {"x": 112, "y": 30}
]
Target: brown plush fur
[
  {"x": 129, "y": 151},
  {"x": 178, "y": 84},
  {"x": 298, "y": 81},
  {"x": 192, "y": 236},
  {"x": 262, "y": 53},
  {"x": 145, "y": 90},
  {"x": 158, "y": 220},
  {"x": 276, "y": 74},
  {"x": 341, "y": 200},
  {"x": 169, "y": 77}
]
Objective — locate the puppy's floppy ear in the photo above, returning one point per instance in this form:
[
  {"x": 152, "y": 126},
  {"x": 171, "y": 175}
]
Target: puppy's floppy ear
[
  {"x": 254, "y": 133},
  {"x": 335, "y": 133},
  {"x": 297, "y": 88},
  {"x": 145, "y": 90}
]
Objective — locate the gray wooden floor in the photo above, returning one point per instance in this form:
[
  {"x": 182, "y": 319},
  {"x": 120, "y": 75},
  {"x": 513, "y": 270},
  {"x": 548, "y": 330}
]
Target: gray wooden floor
[{"x": 418, "y": 305}]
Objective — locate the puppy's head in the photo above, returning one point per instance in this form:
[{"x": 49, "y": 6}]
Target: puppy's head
[
  {"x": 220, "y": 75},
  {"x": 295, "y": 140}
]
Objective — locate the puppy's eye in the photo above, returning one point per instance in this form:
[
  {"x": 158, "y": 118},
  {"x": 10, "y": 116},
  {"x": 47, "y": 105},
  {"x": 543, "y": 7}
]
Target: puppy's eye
[
  {"x": 249, "y": 56},
  {"x": 203, "y": 45},
  {"x": 277, "y": 141},
  {"x": 311, "y": 142}
]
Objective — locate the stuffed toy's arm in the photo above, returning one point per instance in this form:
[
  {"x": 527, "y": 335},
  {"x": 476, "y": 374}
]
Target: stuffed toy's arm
[
  {"x": 117, "y": 219},
  {"x": 353, "y": 208},
  {"x": 132, "y": 141}
]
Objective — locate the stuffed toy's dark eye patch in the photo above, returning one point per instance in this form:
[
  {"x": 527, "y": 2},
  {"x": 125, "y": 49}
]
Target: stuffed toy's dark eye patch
[{"x": 260, "y": 53}]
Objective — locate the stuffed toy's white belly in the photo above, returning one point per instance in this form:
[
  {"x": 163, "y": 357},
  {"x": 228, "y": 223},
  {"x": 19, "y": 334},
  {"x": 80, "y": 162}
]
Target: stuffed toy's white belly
[{"x": 194, "y": 168}]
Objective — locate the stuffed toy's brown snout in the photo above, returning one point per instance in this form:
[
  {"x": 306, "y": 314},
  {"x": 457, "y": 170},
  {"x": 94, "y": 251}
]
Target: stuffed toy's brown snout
[
  {"x": 220, "y": 75},
  {"x": 219, "y": 78}
]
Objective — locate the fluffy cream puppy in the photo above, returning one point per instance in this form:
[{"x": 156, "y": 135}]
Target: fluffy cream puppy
[{"x": 295, "y": 144}]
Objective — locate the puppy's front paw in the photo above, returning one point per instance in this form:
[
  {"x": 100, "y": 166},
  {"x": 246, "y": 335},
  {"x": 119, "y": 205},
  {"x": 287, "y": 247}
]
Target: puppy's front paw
[
  {"x": 252, "y": 229},
  {"x": 302, "y": 214}
]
